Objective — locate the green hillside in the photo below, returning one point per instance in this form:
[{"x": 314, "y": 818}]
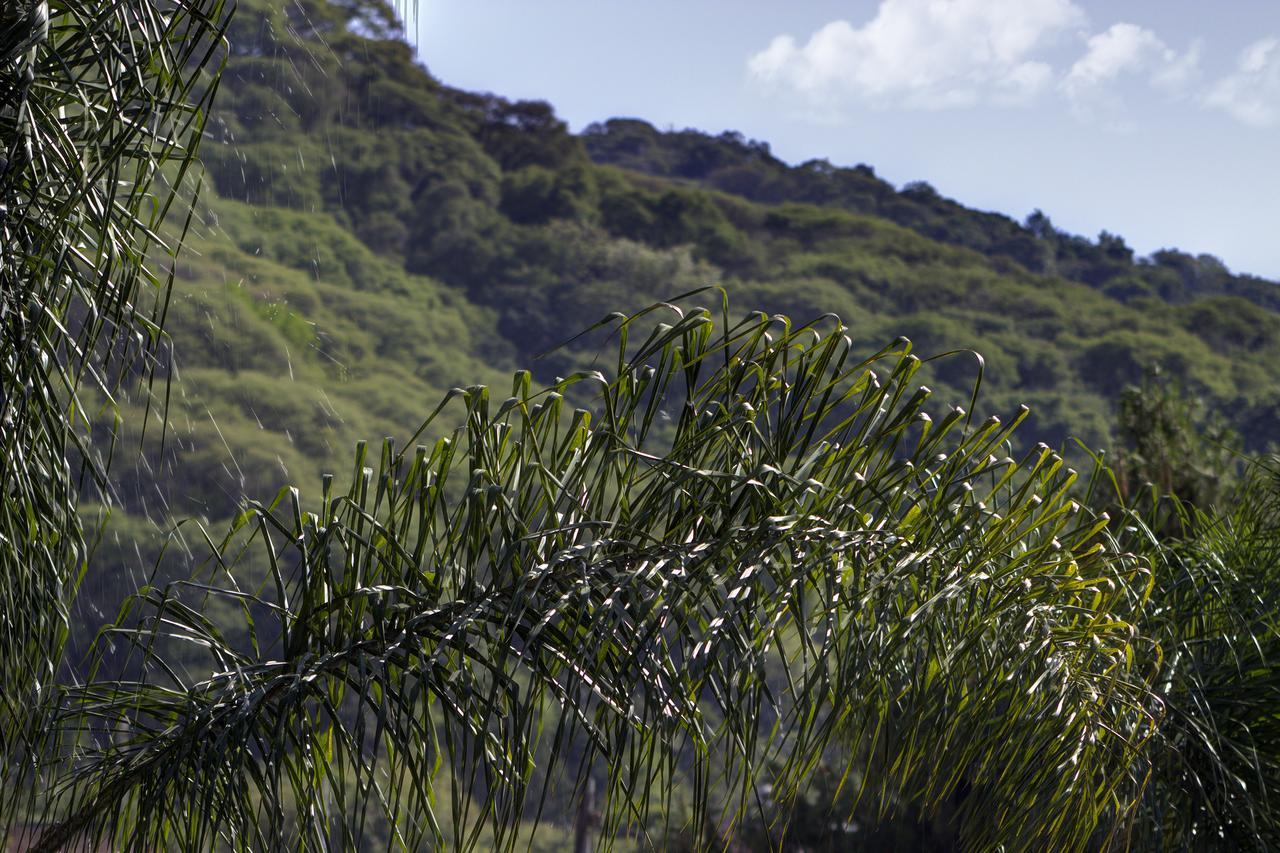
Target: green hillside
[{"x": 372, "y": 237}]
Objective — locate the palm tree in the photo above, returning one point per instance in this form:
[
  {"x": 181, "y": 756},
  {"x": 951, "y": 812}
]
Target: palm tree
[
  {"x": 755, "y": 550},
  {"x": 101, "y": 107},
  {"x": 1214, "y": 768}
]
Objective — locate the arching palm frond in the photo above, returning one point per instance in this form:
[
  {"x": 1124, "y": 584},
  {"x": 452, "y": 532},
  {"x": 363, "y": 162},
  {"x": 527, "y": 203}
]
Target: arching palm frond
[
  {"x": 754, "y": 548},
  {"x": 101, "y": 107}
]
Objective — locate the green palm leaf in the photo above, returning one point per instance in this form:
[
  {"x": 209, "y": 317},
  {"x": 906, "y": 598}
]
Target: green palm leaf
[
  {"x": 101, "y": 108},
  {"x": 1215, "y": 767},
  {"x": 753, "y": 548}
]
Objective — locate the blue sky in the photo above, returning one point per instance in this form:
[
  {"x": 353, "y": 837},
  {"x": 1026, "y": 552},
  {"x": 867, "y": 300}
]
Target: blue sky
[{"x": 1158, "y": 121}]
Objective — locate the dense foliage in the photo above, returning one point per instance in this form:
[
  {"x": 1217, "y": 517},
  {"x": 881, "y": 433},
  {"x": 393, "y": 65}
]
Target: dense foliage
[
  {"x": 757, "y": 524},
  {"x": 757, "y": 578},
  {"x": 91, "y": 158}
]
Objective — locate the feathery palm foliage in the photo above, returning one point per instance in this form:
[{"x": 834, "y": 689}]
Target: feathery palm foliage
[
  {"x": 757, "y": 548},
  {"x": 100, "y": 111},
  {"x": 1215, "y": 767}
]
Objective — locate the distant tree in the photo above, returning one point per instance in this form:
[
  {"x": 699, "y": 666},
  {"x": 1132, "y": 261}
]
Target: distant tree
[
  {"x": 1040, "y": 226},
  {"x": 535, "y": 194},
  {"x": 1114, "y": 248},
  {"x": 818, "y": 166},
  {"x": 920, "y": 191},
  {"x": 1033, "y": 253},
  {"x": 521, "y": 133},
  {"x": 1171, "y": 456}
]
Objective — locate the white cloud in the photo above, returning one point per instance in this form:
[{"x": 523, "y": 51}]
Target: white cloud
[
  {"x": 939, "y": 54},
  {"x": 1177, "y": 72},
  {"x": 1126, "y": 49},
  {"x": 924, "y": 53},
  {"x": 1252, "y": 94}
]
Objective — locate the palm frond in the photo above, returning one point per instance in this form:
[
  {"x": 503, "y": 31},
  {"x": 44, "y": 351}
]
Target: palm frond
[
  {"x": 101, "y": 109},
  {"x": 1215, "y": 767},
  {"x": 754, "y": 547}
]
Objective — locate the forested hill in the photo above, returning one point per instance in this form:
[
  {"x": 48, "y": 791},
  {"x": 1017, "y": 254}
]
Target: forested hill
[
  {"x": 733, "y": 164},
  {"x": 374, "y": 237}
]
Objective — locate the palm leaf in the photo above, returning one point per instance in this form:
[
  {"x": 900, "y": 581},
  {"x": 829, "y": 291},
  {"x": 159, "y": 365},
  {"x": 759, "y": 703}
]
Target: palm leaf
[
  {"x": 101, "y": 108},
  {"x": 1215, "y": 767},
  {"x": 753, "y": 548}
]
